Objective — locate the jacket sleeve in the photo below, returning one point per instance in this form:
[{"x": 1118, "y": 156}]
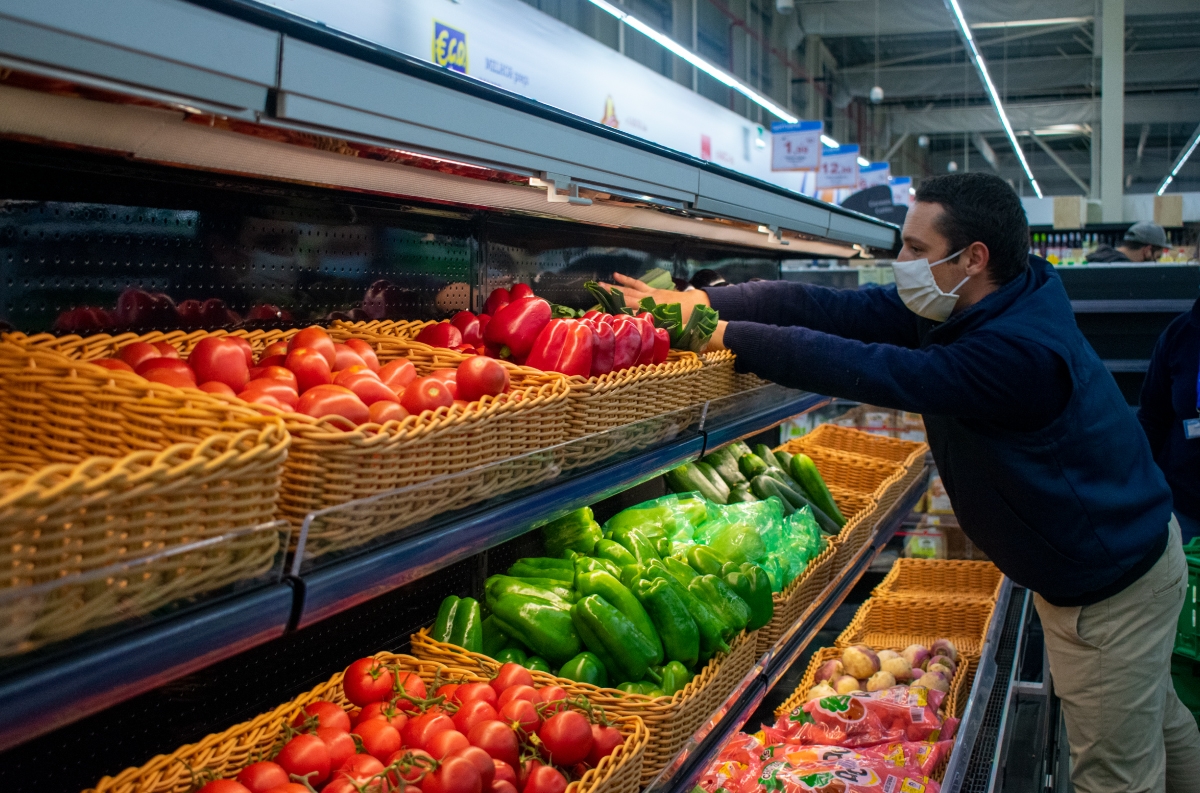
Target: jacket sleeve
[
  {"x": 1155, "y": 411},
  {"x": 871, "y": 314},
  {"x": 970, "y": 379}
]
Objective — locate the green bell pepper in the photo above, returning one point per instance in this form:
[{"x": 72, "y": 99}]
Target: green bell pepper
[
  {"x": 678, "y": 631},
  {"x": 592, "y": 644},
  {"x": 680, "y": 570},
  {"x": 663, "y": 547},
  {"x": 675, "y": 677},
  {"x": 723, "y": 601},
  {"x": 752, "y": 585},
  {"x": 585, "y": 668},
  {"x": 618, "y": 595},
  {"x": 544, "y": 628},
  {"x": 709, "y": 624},
  {"x": 587, "y": 564},
  {"x": 637, "y": 544},
  {"x": 576, "y": 531},
  {"x": 498, "y": 585},
  {"x": 614, "y": 552},
  {"x": 537, "y": 664},
  {"x": 630, "y": 573},
  {"x": 705, "y": 560},
  {"x": 494, "y": 637},
  {"x": 544, "y": 567},
  {"x": 652, "y": 521},
  {"x": 459, "y": 622},
  {"x": 511, "y": 655},
  {"x": 617, "y": 637}
]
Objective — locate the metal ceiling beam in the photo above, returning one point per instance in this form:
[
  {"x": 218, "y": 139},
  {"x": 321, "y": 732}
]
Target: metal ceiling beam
[
  {"x": 1171, "y": 108},
  {"x": 1084, "y": 186}
]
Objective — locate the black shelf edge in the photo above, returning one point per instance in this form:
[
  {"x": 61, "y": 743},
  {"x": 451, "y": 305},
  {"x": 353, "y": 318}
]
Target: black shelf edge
[
  {"x": 726, "y": 433},
  {"x": 1133, "y": 306},
  {"x": 64, "y": 690}
]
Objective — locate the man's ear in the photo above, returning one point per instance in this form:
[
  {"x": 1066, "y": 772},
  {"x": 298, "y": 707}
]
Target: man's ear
[{"x": 975, "y": 259}]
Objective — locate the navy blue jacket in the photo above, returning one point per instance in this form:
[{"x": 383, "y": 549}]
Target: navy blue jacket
[
  {"x": 1061, "y": 491},
  {"x": 1169, "y": 397}
]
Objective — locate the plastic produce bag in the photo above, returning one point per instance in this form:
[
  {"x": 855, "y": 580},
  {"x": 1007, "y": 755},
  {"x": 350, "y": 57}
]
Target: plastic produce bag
[
  {"x": 802, "y": 540},
  {"x": 671, "y": 518},
  {"x": 731, "y": 529},
  {"x": 900, "y": 713}
]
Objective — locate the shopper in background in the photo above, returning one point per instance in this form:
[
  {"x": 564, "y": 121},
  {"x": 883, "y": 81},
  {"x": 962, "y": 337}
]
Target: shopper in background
[
  {"x": 1045, "y": 465},
  {"x": 1143, "y": 242}
]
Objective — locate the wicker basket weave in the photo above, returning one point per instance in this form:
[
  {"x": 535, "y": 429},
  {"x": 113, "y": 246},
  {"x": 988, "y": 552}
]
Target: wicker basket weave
[
  {"x": 908, "y": 455},
  {"x": 881, "y": 479},
  {"x": 899, "y": 623},
  {"x": 718, "y": 376},
  {"x": 932, "y": 579},
  {"x": 864, "y": 513},
  {"x": 328, "y": 465},
  {"x": 794, "y": 600},
  {"x": 670, "y": 720}
]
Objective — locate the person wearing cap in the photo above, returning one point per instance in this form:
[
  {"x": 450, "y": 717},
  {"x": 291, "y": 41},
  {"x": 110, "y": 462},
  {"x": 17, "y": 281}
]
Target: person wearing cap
[{"x": 1144, "y": 242}]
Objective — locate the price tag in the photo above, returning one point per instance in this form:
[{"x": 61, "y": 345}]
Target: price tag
[{"x": 796, "y": 147}]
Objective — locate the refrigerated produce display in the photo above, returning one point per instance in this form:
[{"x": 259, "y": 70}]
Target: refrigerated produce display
[{"x": 328, "y": 463}]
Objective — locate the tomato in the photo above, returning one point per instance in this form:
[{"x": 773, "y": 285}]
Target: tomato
[
  {"x": 213, "y": 387},
  {"x": 497, "y": 739},
  {"x": 326, "y": 714},
  {"x": 247, "y": 350},
  {"x": 291, "y": 787},
  {"x": 333, "y": 400},
  {"x": 473, "y": 712},
  {"x": 262, "y": 776},
  {"x": 166, "y": 350},
  {"x": 224, "y": 786},
  {"x": 379, "y": 738},
  {"x": 453, "y": 775},
  {"x": 220, "y": 359},
  {"x": 545, "y": 779},
  {"x": 605, "y": 740},
  {"x": 447, "y": 742},
  {"x": 347, "y": 375},
  {"x": 440, "y": 334},
  {"x": 171, "y": 364},
  {"x": 138, "y": 352},
  {"x": 412, "y": 685},
  {"x": 255, "y": 390},
  {"x": 511, "y": 674},
  {"x": 527, "y": 768},
  {"x": 398, "y": 374},
  {"x": 345, "y": 357},
  {"x": 366, "y": 352},
  {"x": 116, "y": 364},
  {"x": 303, "y": 755},
  {"x": 367, "y": 680},
  {"x": 280, "y": 373},
  {"x": 426, "y": 393},
  {"x": 412, "y": 764},
  {"x": 519, "y": 692},
  {"x": 170, "y": 377},
  {"x": 314, "y": 338},
  {"x": 482, "y": 761},
  {"x": 383, "y": 411},
  {"x": 447, "y": 376},
  {"x": 567, "y": 737},
  {"x": 419, "y": 730},
  {"x": 367, "y": 386},
  {"x": 339, "y": 743},
  {"x": 481, "y": 376},
  {"x": 447, "y": 690},
  {"x": 267, "y": 311},
  {"x": 383, "y": 710},
  {"x": 502, "y": 786},
  {"x": 504, "y": 772},
  {"x": 521, "y": 712},
  {"x": 266, "y": 400},
  {"x": 310, "y": 367},
  {"x": 272, "y": 360},
  {"x": 555, "y": 697},
  {"x": 360, "y": 768},
  {"x": 472, "y": 691}
]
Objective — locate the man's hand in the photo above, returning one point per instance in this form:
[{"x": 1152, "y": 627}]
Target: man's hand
[
  {"x": 717, "y": 340},
  {"x": 635, "y": 290}
]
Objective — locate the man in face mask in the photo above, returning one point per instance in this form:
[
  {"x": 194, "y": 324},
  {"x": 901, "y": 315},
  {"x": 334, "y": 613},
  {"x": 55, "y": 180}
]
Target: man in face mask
[{"x": 1046, "y": 466}]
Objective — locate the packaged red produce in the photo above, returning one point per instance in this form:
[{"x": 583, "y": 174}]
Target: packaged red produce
[
  {"x": 918, "y": 757},
  {"x": 894, "y": 714}
]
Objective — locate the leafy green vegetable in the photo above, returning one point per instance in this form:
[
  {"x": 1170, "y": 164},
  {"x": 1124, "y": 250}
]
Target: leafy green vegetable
[
  {"x": 612, "y": 301},
  {"x": 658, "y": 278},
  {"x": 564, "y": 312},
  {"x": 691, "y": 336}
]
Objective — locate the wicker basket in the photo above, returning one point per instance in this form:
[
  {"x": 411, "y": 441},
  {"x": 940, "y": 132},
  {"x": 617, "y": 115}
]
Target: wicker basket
[
  {"x": 908, "y": 455},
  {"x": 864, "y": 513},
  {"x": 882, "y": 480},
  {"x": 932, "y": 579},
  {"x": 228, "y": 752},
  {"x": 794, "y": 600},
  {"x": 899, "y": 623},
  {"x": 718, "y": 376},
  {"x": 328, "y": 466},
  {"x": 671, "y": 720}
]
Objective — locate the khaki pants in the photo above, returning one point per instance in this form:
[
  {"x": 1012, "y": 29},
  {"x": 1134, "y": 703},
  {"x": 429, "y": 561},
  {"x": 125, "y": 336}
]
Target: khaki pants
[{"x": 1111, "y": 667}]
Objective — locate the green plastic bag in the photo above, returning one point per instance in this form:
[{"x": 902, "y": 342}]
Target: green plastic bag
[
  {"x": 766, "y": 519},
  {"x": 802, "y": 540},
  {"x": 672, "y": 518}
]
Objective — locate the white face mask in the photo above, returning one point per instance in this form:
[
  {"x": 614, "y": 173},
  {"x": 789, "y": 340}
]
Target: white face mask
[{"x": 919, "y": 290}]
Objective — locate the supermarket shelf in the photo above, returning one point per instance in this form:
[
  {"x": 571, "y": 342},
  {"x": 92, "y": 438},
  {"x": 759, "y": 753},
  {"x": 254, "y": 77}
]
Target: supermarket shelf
[
  {"x": 1148, "y": 306},
  {"x": 743, "y": 415},
  {"x": 681, "y": 774},
  {"x": 64, "y": 690}
]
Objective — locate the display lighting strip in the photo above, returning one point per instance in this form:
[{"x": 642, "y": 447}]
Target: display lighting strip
[
  {"x": 695, "y": 60},
  {"x": 964, "y": 30},
  {"x": 1183, "y": 158}
]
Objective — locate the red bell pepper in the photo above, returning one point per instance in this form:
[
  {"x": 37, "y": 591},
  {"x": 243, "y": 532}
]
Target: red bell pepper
[
  {"x": 516, "y": 326},
  {"x": 602, "y": 347},
  {"x": 468, "y": 325},
  {"x": 484, "y": 319},
  {"x": 440, "y": 334},
  {"x": 646, "y": 351},
  {"x": 519, "y": 291},
  {"x": 498, "y": 299},
  {"x": 627, "y": 342},
  {"x": 662, "y": 344},
  {"x": 564, "y": 345},
  {"x": 593, "y": 314}
]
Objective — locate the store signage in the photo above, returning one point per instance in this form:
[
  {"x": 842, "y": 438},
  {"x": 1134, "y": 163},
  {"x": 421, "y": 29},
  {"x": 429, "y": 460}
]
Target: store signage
[
  {"x": 876, "y": 173},
  {"x": 839, "y": 167},
  {"x": 449, "y": 48},
  {"x": 900, "y": 186},
  {"x": 796, "y": 147}
]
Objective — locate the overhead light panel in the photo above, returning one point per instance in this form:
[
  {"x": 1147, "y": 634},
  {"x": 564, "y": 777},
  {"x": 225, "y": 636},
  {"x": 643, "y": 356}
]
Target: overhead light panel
[
  {"x": 964, "y": 30},
  {"x": 830, "y": 142},
  {"x": 1183, "y": 158},
  {"x": 1031, "y": 23},
  {"x": 695, "y": 60},
  {"x": 863, "y": 162}
]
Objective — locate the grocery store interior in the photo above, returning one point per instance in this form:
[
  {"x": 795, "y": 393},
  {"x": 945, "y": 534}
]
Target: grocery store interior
[{"x": 331, "y": 460}]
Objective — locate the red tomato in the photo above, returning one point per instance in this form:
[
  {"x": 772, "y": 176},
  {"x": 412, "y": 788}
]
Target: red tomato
[
  {"x": 440, "y": 334},
  {"x": 255, "y": 390},
  {"x": 220, "y": 359},
  {"x": 521, "y": 712},
  {"x": 247, "y": 350},
  {"x": 409, "y": 765},
  {"x": 481, "y": 376},
  {"x": 545, "y": 779},
  {"x": 339, "y": 743},
  {"x": 224, "y": 786},
  {"x": 266, "y": 400},
  {"x": 367, "y": 386},
  {"x": 314, "y": 338},
  {"x": 274, "y": 348},
  {"x": 447, "y": 690},
  {"x": 504, "y": 772},
  {"x": 360, "y": 768},
  {"x": 367, "y": 680},
  {"x": 497, "y": 739},
  {"x": 473, "y": 712},
  {"x": 290, "y": 787},
  {"x": 518, "y": 692},
  {"x": 503, "y": 786},
  {"x": 166, "y": 350},
  {"x": 170, "y": 377},
  {"x": 511, "y": 674},
  {"x": 281, "y": 373},
  {"x": 213, "y": 387},
  {"x": 325, "y": 714},
  {"x": 398, "y": 374},
  {"x": 412, "y": 685},
  {"x": 333, "y": 400},
  {"x": 605, "y": 741},
  {"x": 344, "y": 376},
  {"x": 567, "y": 737},
  {"x": 454, "y": 775},
  {"x": 310, "y": 367},
  {"x": 303, "y": 755},
  {"x": 262, "y": 776},
  {"x": 426, "y": 393},
  {"x": 445, "y": 375},
  {"x": 345, "y": 356},
  {"x": 383, "y": 411},
  {"x": 527, "y": 768},
  {"x": 138, "y": 352},
  {"x": 447, "y": 742},
  {"x": 366, "y": 352},
  {"x": 555, "y": 697},
  {"x": 272, "y": 360},
  {"x": 482, "y": 761},
  {"x": 170, "y": 364},
  {"x": 472, "y": 691},
  {"x": 383, "y": 710},
  {"x": 116, "y": 364},
  {"x": 419, "y": 730},
  {"x": 379, "y": 739}
]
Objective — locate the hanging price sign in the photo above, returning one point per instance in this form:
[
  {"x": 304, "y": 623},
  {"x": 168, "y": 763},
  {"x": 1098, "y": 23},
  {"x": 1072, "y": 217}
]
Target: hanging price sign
[
  {"x": 796, "y": 147},
  {"x": 839, "y": 167},
  {"x": 876, "y": 173}
]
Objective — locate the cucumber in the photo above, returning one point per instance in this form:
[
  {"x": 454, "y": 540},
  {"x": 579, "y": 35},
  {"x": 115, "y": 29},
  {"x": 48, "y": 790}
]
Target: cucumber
[
  {"x": 796, "y": 500},
  {"x": 741, "y": 493},
  {"x": 784, "y": 459},
  {"x": 804, "y": 471},
  {"x": 764, "y": 487},
  {"x": 764, "y": 452},
  {"x": 726, "y": 465},
  {"x": 751, "y": 465},
  {"x": 714, "y": 479},
  {"x": 739, "y": 448},
  {"x": 687, "y": 479}
]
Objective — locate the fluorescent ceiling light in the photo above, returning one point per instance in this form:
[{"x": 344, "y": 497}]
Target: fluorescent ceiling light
[
  {"x": 1183, "y": 158},
  {"x": 863, "y": 162},
  {"x": 1031, "y": 23},
  {"x": 830, "y": 142},
  {"x": 965, "y": 31},
  {"x": 695, "y": 60}
]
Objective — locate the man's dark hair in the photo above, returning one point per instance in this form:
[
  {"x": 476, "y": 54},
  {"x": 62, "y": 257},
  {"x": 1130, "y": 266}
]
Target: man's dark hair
[{"x": 981, "y": 207}]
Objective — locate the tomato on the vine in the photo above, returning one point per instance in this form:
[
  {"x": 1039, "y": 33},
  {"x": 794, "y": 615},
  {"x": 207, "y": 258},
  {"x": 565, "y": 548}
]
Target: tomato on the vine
[
  {"x": 383, "y": 710},
  {"x": 519, "y": 692},
  {"x": 502, "y": 786},
  {"x": 339, "y": 743},
  {"x": 503, "y": 772},
  {"x": 304, "y": 755},
  {"x": 317, "y": 339},
  {"x": 262, "y": 776},
  {"x": 327, "y": 714},
  {"x": 379, "y": 739},
  {"x": 367, "y": 680},
  {"x": 567, "y": 737},
  {"x": 482, "y": 761},
  {"x": 410, "y": 764},
  {"x": 511, "y": 674},
  {"x": 545, "y": 779},
  {"x": 224, "y": 786},
  {"x": 555, "y": 699},
  {"x": 366, "y": 352},
  {"x": 360, "y": 768},
  {"x": 472, "y": 691},
  {"x": 497, "y": 739},
  {"x": 446, "y": 690},
  {"x": 453, "y": 775},
  {"x": 411, "y": 685},
  {"x": 290, "y": 787},
  {"x": 523, "y": 713},
  {"x": 419, "y": 730},
  {"x": 446, "y": 742},
  {"x": 605, "y": 741},
  {"x": 471, "y": 713}
]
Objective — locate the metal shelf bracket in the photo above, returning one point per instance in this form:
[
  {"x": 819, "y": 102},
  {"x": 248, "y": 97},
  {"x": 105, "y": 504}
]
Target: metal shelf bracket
[{"x": 556, "y": 182}]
